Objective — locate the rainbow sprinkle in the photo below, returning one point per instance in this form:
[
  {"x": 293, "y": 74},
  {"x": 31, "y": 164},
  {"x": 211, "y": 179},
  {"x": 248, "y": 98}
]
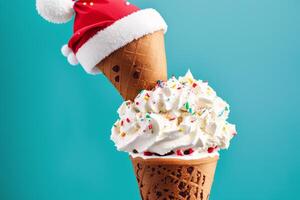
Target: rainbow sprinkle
[
  {"x": 123, "y": 134},
  {"x": 187, "y": 105},
  {"x": 170, "y": 117},
  {"x": 208, "y": 91},
  {"x": 159, "y": 83},
  {"x": 221, "y": 113}
]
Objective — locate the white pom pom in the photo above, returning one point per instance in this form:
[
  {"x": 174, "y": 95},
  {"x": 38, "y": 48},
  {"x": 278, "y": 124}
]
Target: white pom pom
[
  {"x": 72, "y": 59},
  {"x": 65, "y": 50},
  {"x": 55, "y": 11}
]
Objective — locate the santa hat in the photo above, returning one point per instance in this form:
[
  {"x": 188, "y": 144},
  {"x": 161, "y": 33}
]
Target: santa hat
[{"x": 100, "y": 27}]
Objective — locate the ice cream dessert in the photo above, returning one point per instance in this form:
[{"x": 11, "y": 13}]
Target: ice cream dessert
[
  {"x": 180, "y": 125},
  {"x": 179, "y": 117}
]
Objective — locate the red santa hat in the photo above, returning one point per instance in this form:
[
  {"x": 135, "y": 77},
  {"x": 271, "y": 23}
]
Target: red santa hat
[{"x": 100, "y": 27}]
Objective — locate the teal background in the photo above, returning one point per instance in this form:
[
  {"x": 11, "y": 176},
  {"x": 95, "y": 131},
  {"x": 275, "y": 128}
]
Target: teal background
[{"x": 55, "y": 119}]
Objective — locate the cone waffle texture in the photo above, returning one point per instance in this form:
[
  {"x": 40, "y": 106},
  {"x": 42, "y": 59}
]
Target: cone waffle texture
[
  {"x": 174, "y": 179},
  {"x": 137, "y": 66}
]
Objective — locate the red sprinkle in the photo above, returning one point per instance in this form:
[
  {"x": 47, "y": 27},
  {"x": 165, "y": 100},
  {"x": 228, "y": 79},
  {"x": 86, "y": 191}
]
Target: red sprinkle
[
  {"x": 147, "y": 95},
  {"x": 128, "y": 120},
  {"x": 191, "y": 151},
  {"x": 147, "y": 153},
  {"x": 178, "y": 88},
  {"x": 150, "y": 126},
  {"x": 137, "y": 103},
  {"x": 122, "y": 123},
  {"x": 194, "y": 85},
  {"x": 210, "y": 149},
  {"x": 179, "y": 152}
]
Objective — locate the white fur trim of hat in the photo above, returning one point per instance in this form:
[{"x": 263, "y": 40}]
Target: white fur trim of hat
[{"x": 117, "y": 35}]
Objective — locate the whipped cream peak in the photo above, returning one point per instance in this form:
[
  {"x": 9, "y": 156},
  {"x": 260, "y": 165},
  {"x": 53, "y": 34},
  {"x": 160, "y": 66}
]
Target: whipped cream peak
[{"x": 180, "y": 116}]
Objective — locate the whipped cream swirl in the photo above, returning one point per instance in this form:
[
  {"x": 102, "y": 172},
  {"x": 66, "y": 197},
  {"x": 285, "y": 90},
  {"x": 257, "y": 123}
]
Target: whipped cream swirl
[{"x": 181, "y": 113}]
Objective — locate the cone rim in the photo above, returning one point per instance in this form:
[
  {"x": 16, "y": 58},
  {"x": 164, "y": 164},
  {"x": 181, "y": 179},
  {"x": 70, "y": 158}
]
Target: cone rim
[{"x": 175, "y": 161}]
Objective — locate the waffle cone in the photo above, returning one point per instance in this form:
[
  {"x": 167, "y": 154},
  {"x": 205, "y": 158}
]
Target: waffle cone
[
  {"x": 137, "y": 66},
  {"x": 174, "y": 179}
]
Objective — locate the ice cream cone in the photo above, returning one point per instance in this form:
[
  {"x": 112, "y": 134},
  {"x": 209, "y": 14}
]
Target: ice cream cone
[
  {"x": 160, "y": 178},
  {"x": 137, "y": 66}
]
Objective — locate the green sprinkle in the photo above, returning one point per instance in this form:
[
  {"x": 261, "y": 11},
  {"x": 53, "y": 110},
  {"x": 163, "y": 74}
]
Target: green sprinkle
[
  {"x": 148, "y": 116},
  {"x": 190, "y": 110},
  {"x": 187, "y": 105}
]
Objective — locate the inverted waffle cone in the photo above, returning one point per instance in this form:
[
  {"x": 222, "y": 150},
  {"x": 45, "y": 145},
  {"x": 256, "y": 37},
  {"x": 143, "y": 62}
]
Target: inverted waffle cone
[
  {"x": 137, "y": 66},
  {"x": 174, "y": 179}
]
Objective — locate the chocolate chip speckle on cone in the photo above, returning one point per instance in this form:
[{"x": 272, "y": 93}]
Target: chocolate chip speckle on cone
[
  {"x": 137, "y": 66},
  {"x": 160, "y": 178}
]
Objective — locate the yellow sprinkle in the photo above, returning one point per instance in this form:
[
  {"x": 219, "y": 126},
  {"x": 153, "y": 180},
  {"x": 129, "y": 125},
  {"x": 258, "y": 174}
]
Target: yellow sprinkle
[
  {"x": 208, "y": 91},
  {"x": 181, "y": 129},
  {"x": 146, "y": 98}
]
